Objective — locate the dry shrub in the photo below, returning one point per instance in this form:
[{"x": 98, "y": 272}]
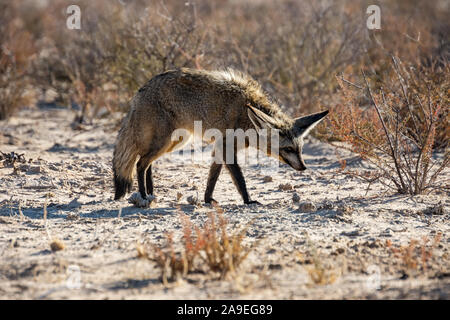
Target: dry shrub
[
  {"x": 72, "y": 62},
  {"x": 321, "y": 275},
  {"x": 413, "y": 30},
  {"x": 177, "y": 264},
  {"x": 144, "y": 42},
  {"x": 396, "y": 124},
  {"x": 417, "y": 254},
  {"x": 207, "y": 248},
  {"x": 321, "y": 272},
  {"x": 118, "y": 48},
  {"x": 295, "y": 48},
  {"x": 16, "y": 48},
  {"x": 224, "y": 253}
]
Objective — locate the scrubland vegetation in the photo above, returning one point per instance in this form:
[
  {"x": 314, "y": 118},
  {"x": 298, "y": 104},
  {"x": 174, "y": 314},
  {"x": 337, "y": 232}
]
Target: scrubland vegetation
[
  {"x": 309, "y": 55},
  {"x": 388, "y": 95}
]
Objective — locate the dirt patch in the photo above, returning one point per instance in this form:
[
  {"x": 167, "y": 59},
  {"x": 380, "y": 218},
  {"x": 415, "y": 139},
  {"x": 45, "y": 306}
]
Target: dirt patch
[{"x": 321, "y": 237}]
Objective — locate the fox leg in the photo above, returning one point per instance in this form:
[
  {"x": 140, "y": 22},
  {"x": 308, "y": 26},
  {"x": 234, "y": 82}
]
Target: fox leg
[
  {"x": 239, "y": 182},
  {"x": 142, "y": 166},
  {"x": 238, "y": 177},
  {"x": 149, "y": 180},
  {"x": 214, "y": 173}
]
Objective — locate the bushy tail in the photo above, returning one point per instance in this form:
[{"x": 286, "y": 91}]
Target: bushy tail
[{"x": 124, "y": 161}]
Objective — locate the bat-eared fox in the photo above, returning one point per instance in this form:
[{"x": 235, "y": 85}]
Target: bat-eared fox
[{"x": 221, "y": 100}]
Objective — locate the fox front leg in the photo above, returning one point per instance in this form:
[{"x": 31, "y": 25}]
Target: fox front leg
[{"x": 239, "y": 182}]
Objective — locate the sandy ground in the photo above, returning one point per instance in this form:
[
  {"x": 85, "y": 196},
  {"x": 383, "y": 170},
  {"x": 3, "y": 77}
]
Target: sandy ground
[{"x": 368, "y": 246}]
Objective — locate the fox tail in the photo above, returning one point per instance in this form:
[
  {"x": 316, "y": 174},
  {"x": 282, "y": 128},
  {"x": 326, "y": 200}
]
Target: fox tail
[{"x": 124, "y": 161}]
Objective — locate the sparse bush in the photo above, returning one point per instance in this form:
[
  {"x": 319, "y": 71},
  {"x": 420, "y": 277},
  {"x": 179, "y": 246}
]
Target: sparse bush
[
  {"x": 72, "y": 63},
  {"x": 175, "y": 264},
  {"x": 295, "y": 48},
  {"x": 208, "y": 248},
  {"x": 417, "y": 254},
  {"x": 140, "y": 45},
  {"x": 321, "y": 272},
  {"x": 16, "y": 49},
  {"x": 396, "y": 124}
]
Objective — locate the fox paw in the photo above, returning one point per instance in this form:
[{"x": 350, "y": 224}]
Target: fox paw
[
  {"x": 211, "y": 201},
  {"x": 140, "y": 202}
]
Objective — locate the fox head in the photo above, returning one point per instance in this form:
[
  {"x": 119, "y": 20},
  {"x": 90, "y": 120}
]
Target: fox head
[{"x": 290, "y": 134}]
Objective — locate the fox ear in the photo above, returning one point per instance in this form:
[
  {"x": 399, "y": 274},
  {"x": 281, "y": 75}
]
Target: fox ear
[
  {"x": 259, "y": 119},
  {"x": 303, "y": 125}
]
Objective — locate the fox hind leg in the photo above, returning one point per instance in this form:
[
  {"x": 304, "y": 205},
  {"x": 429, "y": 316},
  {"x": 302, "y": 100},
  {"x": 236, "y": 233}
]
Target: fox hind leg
[
  {"x": 142, "y": 166},
  {"x": 149, "y": 180},
  {"x": 214, "y": 173}
]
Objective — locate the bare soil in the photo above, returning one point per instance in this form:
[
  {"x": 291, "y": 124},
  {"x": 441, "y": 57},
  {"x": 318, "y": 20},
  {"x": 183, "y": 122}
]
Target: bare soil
[{"x": 321, "y": 234}]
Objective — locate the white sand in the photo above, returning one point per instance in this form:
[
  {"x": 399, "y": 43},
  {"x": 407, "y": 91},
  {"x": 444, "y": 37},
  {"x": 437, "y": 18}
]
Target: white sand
[{"x": 354, "y": 236}]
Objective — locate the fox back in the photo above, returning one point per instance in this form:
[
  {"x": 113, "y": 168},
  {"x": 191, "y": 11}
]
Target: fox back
[{"x": 217, "y": 98}]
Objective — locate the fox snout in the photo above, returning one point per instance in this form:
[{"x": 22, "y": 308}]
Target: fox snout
[
  {"x": 294, "y": 161},
  {"x": 300, "y": 166}
]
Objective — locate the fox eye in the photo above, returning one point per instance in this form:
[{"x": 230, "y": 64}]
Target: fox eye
[{"x": 289, "y": 149}]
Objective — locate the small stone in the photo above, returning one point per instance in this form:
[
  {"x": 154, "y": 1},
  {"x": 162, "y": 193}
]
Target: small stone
[
  {"x": 24, "y": 167},
  {"x": 295, "y": 197},
  {"x": 14, "y": 243},
  {"x": 35, "y": 169},
  {"x": 307, "y": 206},
  {"x": 53, "y": 167},
  {"x": 438, "y": 209},
  {"x": 72, "y": 216},
  {"x": 138, "y": 201},
  {"x": 193, "y": 200},
  {"x": 353, "y": 233},
  {"x": 285, "y": 187},
  {"x": 57, "y": 245},
  {"x": 267, "y": 179},
  {"x": 345, "y": 209},
  {"x": 387, "y": 233}
]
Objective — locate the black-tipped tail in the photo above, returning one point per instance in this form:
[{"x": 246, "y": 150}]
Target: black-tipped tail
[{"x": 121, "y": 186}]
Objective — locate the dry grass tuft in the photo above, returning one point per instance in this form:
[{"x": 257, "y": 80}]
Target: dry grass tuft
[
  {"x": 224, "y": 252},
  {"x": 416, "y": 255},
  {"x": 320, "y": 274},
  {"x": 209, "y": 248}
]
